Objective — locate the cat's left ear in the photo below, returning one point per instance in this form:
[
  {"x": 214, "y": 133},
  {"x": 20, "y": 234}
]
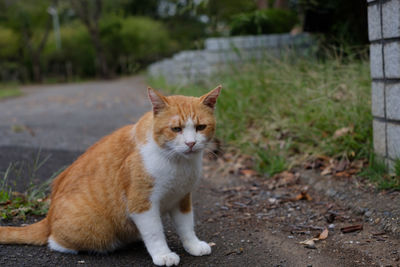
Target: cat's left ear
[
  {"x": 210, "y": 99},
  {"x": 158, "y": 101}
]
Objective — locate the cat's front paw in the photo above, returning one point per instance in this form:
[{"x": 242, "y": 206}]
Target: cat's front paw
[
  {"x": 197, "y": 248},
  {"x": 168, "y": 259}
]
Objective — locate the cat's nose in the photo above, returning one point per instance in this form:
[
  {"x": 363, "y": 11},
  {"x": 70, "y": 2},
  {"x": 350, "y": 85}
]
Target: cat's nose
[{"x": 190, "y": 144}]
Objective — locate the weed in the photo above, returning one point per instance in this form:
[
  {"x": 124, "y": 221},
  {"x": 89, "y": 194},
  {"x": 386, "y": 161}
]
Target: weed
[
  {"x": 9, "y": 90},
  {"x": 33, "y": 200},
  {"x": 397, "y": 167},
  {"x": 269, "y": 162}
]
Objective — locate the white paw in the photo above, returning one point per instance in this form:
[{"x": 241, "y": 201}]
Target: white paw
[
  {"x": 168, "y": 259},
  {"x": 197, "y": 248}
]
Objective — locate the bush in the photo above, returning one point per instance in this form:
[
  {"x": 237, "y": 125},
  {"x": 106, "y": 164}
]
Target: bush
[
  {"x": 263, "y": 22},
  {"x": 10, "y": 66},
  {"x": 144, "y": 39},
  {"x": 77, "y": 51},
  {"x": 9, "y": 43}
]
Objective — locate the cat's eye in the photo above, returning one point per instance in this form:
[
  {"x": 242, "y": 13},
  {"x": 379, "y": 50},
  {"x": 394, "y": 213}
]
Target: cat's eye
[
  {"x": 200, "y": 127},
  {"x": 176, "y": 129}
]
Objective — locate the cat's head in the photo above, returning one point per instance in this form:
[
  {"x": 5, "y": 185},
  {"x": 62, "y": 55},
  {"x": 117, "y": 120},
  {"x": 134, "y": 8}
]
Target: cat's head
[{"x": 183, "y": 125}]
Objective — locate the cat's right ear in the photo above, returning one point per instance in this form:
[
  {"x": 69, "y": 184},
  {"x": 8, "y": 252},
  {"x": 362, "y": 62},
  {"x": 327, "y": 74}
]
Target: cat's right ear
[{"x": 157, "y": 100}]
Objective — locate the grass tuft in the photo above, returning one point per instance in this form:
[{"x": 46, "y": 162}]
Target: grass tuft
[
  {"x": 33, "y": 200},
  {"x": 9, "y": 90}
]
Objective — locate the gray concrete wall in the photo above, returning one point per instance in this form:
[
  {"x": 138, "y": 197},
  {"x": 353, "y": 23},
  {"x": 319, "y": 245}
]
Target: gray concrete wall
[
  {"x": 219, "y": 53},
  {"x": 384, "y": 35}
]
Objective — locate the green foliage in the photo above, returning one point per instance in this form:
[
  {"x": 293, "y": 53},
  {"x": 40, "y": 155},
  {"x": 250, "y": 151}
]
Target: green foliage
[
  {"x": 6, "y": 93},
  {"x": 129, "y": 41},
  {"x": 9, "y": 90},
  {"x": 270, "y": 161},
  {"x": 397, "y": 167},
  {"x": 263, "y": 22},
  {"x": 9, "y": 43},
  {"x": 187, "y": 33},
  {"x": 26, "y": 15},
  {"x": 77, "y": 50},
  {"x": 376, "y": 172},
  {"x": 144, "y": 39}
]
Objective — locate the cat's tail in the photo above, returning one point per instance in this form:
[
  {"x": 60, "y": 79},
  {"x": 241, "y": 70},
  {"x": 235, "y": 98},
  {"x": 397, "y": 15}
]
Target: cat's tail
[{"x": 34, "y": 234}]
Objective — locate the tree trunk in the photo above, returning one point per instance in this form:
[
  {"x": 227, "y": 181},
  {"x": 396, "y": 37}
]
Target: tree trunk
[
  {"x": 89, "y": 11},
  {"x": 282, "y": 4},
  {"x": 37, "y": 73},
  {"x": 262, "y": 4},
  {"x": 102, "y": 67}
]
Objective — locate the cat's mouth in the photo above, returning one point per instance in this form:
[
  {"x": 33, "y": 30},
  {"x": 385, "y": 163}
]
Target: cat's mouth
[{"x": 190, "y": 151}]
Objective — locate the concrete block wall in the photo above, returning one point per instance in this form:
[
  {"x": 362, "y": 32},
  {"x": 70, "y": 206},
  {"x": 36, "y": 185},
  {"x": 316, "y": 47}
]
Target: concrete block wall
[
  {"x": 219, "y": 53},
  {"x": 384, "y": 36}
]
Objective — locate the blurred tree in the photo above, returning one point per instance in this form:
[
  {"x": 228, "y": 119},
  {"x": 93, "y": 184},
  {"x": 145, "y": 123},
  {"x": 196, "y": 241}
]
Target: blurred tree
[
  {"x": 220, "y": 12},
  {"x": 342, "y": 21},
  {"x": 90, "y": 11},
  {"x": 141, "y": 8},
  {"x": 30, "y": 20}
]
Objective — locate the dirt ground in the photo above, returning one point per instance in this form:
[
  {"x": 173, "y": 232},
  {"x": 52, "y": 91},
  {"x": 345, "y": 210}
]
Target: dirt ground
[{"x": 249, "y": 220}]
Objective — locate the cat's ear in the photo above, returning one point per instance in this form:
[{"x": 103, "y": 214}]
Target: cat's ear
[
  {"x": 210, "y": 99},
  {"x": 158, "y": 101}
]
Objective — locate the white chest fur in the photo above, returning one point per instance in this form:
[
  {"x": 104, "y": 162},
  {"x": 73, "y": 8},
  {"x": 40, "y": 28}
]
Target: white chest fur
[{"x": 174, "y": 177}]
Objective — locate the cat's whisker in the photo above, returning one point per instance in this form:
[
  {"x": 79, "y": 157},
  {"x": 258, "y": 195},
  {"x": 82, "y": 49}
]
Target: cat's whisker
[{"x": 212, "y": 152}]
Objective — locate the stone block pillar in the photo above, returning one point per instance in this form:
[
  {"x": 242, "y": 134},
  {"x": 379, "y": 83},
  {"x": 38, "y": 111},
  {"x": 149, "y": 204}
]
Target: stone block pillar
[{"x": 384, "y": 36}]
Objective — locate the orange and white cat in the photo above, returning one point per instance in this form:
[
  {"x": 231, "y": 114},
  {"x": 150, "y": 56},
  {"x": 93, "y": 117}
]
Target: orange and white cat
[{"x": 118, "y": 190}]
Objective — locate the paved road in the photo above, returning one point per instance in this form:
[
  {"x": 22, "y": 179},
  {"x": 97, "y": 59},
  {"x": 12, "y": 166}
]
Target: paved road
[
  {"x": 71, "y": 116},
  {"x": 250, "y": 222}
]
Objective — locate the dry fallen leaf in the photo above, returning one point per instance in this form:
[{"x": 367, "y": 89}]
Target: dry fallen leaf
[
  {"x": 309, "y": 243},
  {"x": 324, "y": 234},
  {"x": 342, "y": 132},
  {"x": 327, "y": 171},
  {"x": 303, "y": 196},
  {"x": 248, "y": 172},
  {"x": 285, "y": 179}
]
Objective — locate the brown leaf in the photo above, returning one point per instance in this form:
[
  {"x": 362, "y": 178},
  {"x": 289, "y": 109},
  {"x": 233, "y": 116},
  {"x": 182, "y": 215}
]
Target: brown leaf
[
  {"x": 211, "y": 244},
  {"x": 324, "y": 234},
  {"x": 248, "y": 172},
  {"x": 352, "y": 228},
  {"x": 285, "y": 178},
  {"x": 341, "y": 165},
  {"x": 327, "y": 171},
  {"x": 309, "y": 243},
  {"x": 303, "y": 196},
  {"x": 342, "y": 132}
]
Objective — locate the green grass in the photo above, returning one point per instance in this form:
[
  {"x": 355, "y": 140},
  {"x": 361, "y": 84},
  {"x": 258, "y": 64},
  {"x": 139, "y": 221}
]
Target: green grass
[
  {"x": 9, "y": 90},
  {"x": 285, "y": 111},
  {"x": 376, "y": 171},
  {"x": 33, "y": 200}
]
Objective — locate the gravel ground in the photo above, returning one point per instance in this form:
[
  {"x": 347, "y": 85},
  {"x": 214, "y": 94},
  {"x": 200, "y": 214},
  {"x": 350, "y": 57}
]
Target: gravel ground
[{"x": 251, "y": 220}]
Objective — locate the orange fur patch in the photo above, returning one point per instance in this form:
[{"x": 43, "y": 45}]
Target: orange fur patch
[{"x": 185, "y": 205}]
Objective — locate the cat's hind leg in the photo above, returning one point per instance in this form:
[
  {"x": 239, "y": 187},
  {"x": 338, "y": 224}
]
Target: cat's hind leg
[{"x": 182, "y": 216}]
